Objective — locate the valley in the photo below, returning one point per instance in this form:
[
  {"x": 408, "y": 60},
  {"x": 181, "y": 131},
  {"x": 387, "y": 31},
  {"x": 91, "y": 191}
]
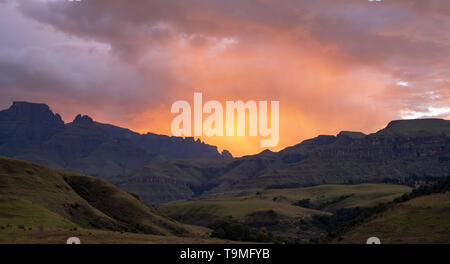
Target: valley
[{"x": 112, "y": 185}]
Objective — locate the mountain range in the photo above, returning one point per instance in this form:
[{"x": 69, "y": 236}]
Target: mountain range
[
  {"x": 161, "y": 169},
  {"x": 33, "y": 132}
]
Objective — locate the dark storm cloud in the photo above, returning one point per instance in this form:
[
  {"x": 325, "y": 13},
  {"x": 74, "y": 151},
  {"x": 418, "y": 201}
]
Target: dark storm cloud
[
  {"x": 385, "y": 35},
  {"x": 357, "y": 28}
]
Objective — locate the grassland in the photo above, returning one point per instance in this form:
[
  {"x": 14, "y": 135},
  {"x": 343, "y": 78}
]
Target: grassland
[
  {"x": 95, "y": 236},
  {"x": 206, "y": 211},
  {"x": 421, "y": 220},
  {"x": 274, "y": 211},
  {"x": 23, "y": 215},
  {"x": 362, "y": 195},
  {"x": 281, "y": 200},
  {"x": 40, "y": 205}
]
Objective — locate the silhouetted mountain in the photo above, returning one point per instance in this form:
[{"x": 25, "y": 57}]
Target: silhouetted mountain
[
  {"x": 24, "y": 124},
  {"x": 404, "y": 152},
  {"x": 33, "y": 132}
]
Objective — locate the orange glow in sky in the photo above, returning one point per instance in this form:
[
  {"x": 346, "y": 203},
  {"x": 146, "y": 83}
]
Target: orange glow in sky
[{"x": 333, "y": 65}]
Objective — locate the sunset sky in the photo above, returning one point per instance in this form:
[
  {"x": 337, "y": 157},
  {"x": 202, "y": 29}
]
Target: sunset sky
[{"x": 333, "y": 64}]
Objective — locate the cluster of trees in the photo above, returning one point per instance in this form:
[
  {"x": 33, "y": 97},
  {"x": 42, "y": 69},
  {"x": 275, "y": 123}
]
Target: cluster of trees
[
  {"x": 237, "y": 231},
  {"x": 412, "y": 180},
  {"x": 441, "y": 186},
  {"x": 345, "y": 218},
  {"x": 306, "y": 203}
]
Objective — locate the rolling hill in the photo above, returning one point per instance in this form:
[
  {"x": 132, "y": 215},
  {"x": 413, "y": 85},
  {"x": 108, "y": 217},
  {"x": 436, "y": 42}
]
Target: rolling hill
[
  {"x": 421, "y": 220},
  {"x": 422, "y": 216},
  {"x": 277, "y": 211},
  {"x": 35, "y": 198}
]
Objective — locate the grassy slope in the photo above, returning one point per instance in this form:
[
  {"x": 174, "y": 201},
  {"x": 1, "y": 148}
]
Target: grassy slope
[
  {"x": 254, "y": 209},
  {"x": 33, "y": 198},
  {"x": 88, "y": 236},
  {"x": 362, "y": 195},
  {"x": 121, "y": 206},
  {"x": 48, "y": 189},
  {"x": 421, "y": 220},
  {"x": 239, "y": 207},
  {"x": 205, "y": 212},
  {"x": 23, "y": 215},
  {"x": 278, "y": 217}
]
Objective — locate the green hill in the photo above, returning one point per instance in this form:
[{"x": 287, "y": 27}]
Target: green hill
[
  {"x": 18, "y": 214},
  {"x": 277, "y": 211},
  {"x": 33, "y": 197},
  {"x": 420, "y": 216},
  {"x": 333, "y": 197},
  {"x": 421, "y": 220}
]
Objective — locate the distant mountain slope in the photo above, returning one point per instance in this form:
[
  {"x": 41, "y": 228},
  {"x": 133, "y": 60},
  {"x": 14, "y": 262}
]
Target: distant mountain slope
[
  {"x": 33, "y": 132},
  {"x": 173, "y": 180},
  {"x": 405, "y": 152},
  {"x": 32, "y": 196}
]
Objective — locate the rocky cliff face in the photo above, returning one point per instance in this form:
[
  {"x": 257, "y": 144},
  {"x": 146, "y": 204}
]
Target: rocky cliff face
[
  {"x": 388, "y": 147},
  {"x": 33, "y": 113},
  {"x": 404, "y": 151},
  {"x": 24, "y": 125}
]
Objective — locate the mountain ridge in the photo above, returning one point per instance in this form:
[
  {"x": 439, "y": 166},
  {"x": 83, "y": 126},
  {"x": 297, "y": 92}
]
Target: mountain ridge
[
  {"x": 32, "y": 132},
  {"x": 347, "y": 158},
  {"x": 404, "y": 152}
]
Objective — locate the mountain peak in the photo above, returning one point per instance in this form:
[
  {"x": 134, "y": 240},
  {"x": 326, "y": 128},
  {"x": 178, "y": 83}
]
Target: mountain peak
[
  {"x": 351, "y": 134},
  {"x": 226, "y": 154},
  {"x": 416, "y": 127},
  {"x": 34, "y": 112},
  {"x": 82, "y": 119},
  {"x": 24, "y": 104}
]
